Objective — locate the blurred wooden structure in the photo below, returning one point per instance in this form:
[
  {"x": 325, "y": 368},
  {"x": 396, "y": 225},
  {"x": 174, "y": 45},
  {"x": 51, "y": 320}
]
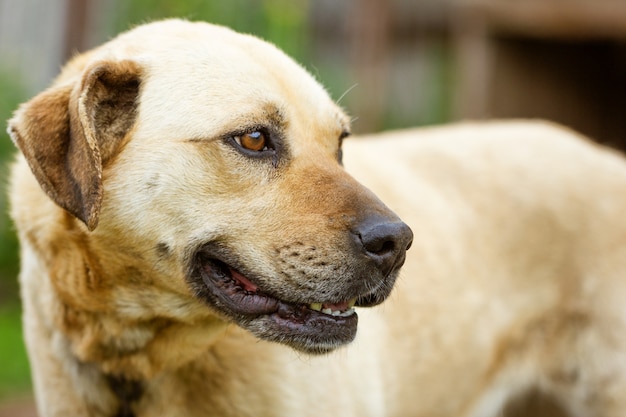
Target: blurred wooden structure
[
  {"x": 38, "y": 36},
  {"x": 554, "y": 59},
  {"x": 392, "y": 56}
]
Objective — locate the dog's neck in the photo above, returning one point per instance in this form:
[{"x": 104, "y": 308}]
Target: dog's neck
[
  {"x": 111, "y": 360},
  {"x": 96, "y": 318},
  {"x": 108, "y": 314},
  {"x": 128, "y": 393},
  {"x": 138, "y": 350}
]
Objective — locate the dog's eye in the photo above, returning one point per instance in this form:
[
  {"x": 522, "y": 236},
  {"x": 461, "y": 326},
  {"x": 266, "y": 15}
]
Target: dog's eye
[{"x": 252, "y": 141}]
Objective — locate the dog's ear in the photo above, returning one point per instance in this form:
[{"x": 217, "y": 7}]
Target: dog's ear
[{"x": 68, "y": 132}]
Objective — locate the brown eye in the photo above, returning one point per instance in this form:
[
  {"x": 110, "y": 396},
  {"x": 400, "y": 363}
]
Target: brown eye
[{"x": 252, "y": 141}]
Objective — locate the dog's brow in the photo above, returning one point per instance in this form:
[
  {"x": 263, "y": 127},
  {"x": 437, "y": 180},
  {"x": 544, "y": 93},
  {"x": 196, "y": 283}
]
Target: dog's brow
[
  {"x": 275, "y": 116},
  {"x": 269, "y": 117}
]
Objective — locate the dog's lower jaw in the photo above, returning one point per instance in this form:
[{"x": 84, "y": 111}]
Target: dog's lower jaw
[
  {"x": 314, "y": 327},
  {"x": 304, "y": 330}
]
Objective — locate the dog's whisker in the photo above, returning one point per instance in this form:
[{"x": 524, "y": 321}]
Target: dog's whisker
[{"x": 345, "y": 93}]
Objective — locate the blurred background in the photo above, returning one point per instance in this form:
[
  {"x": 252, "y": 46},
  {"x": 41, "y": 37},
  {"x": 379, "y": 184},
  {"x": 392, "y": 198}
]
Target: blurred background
[{"x": 391, "y": 63}]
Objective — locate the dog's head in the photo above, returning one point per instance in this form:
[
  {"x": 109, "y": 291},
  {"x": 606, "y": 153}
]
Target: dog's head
[{"x": 207, "y": 164}]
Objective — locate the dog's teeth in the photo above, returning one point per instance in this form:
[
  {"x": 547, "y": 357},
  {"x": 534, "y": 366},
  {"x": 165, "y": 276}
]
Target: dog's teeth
[
  {"x": 316, "y": 306},
  {"x": 336, "y": 313}
]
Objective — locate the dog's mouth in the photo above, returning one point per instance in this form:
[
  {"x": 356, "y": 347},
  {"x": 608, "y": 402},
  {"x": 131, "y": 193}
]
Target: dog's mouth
[{"x": 314, "y": 326}]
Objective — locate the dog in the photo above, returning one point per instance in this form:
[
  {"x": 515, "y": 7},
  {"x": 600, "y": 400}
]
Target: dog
[{"x": 194, "y": 242}]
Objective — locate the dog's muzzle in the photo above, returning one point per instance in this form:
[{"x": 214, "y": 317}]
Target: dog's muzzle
[{"x": 321, "y": 319}]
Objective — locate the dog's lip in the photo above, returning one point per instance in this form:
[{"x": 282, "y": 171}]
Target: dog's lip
[
  {"x": 242, "y": 296},
  {"x": 312, "y": 327}
]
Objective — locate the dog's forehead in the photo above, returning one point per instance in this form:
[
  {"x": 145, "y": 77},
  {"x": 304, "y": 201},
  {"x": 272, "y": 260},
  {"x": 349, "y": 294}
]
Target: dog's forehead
[{"x": 200, "y": 78}]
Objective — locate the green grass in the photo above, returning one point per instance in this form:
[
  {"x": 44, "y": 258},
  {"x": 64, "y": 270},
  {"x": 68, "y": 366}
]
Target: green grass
[
  {"x": 14, "y": 368},
  {"x": 11, "y": 93}
]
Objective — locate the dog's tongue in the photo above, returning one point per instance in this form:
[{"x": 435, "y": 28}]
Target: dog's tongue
[{"x": 243, "y": 282}]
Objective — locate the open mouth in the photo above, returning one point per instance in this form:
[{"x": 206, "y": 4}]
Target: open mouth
[
  {"x": 317, "y": 326},
  {"x": 244, "y": 297}
]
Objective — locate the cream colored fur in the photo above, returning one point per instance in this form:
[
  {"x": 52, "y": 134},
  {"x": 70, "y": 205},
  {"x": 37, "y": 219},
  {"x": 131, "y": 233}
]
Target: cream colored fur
[{"x": 514, "y": 281}]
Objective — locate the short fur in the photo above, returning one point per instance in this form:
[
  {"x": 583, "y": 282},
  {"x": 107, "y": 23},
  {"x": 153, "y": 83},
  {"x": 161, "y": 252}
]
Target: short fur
[{"x": 514, "y": 281}]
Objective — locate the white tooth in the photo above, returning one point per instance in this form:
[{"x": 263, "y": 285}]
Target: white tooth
[
  {"x": 327, "y": 311},
  {"x": 336, "y": 313},
  {"x": 315, "y": 306}
]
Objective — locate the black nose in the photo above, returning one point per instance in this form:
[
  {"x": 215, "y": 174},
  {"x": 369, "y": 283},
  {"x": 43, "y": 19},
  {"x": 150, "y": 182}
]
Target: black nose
[{"x": 385, "y": 242}]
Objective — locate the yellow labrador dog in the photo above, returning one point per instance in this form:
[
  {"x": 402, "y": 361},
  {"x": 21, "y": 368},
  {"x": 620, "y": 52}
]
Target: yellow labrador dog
[{"x": 189, "y": 236}]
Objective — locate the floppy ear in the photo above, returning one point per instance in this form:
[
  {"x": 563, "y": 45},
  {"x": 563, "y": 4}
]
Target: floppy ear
[{"x": 68, "y": 132}]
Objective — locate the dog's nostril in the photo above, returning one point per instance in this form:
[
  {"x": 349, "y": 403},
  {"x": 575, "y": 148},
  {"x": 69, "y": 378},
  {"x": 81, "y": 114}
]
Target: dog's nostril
[
  {"x": 376, "y": 243},
  {"x": 385, "y": 242}
]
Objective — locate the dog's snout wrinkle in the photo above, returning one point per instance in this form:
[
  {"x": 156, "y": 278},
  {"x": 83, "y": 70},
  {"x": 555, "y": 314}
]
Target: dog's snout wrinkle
[{"x": 385, "y": 242}]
